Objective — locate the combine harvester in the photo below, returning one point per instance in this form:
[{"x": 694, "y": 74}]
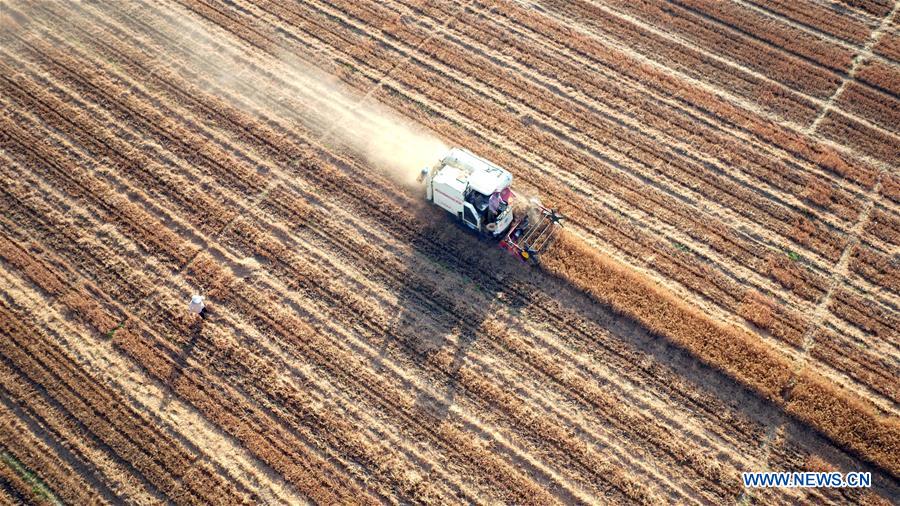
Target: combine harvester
[{"x": 478, "y": 193}]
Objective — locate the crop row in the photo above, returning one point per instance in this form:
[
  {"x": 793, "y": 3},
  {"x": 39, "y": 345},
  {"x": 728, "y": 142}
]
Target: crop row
[
  {"x": 14, "y": 488},
  {"x": 861, "y": 364},
  {"x": 819, "y": 51},
  {"x": 821, "y": 18},
  {"x": 882, "y": 322},
  {"x": 876, "y": 107},
  {"x": 694, "y": 62},
  {"x": 782, "y": 37},
  {"x": 268, "y": 443},
  {"x": 850, "y": 132},
  {"x": 132, "y": 437},
  {"x": 870, "y": 91},
  {"x": 747, "y": 48},
  {"x": 806, "y": 395},
  {"x": 704, "y": 286},
  {"x": 877, "y": 8},
  {"x": 878, "y": 267},
  {"x": 889, "y": 44},
  {"x": 890, "y": 188}
]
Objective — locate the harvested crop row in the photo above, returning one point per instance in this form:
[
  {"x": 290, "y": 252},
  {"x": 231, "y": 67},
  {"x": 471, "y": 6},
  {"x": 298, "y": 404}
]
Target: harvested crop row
[
  {"x": 248, "y": 302},
  {"x": 626, "y": 249},
  {"x": 32, "y": 452},
  {"x": 799, "y": 73},
  {"x": 805, "y": 395},
  {"x": 308, "y": 489},
  {"x": 845, "y": 130},
  {"x": 889, "y": 44},
  {"x": 244, "y": 430},
  {"x": 742, "y": 121},
  {"x": 170, "y": 467},
  {"x": 848, "y": 356},
  {"x": 821, "y": 18},
  {"x": 881, "y": 109},
  {"x": 755, "y": 26}
]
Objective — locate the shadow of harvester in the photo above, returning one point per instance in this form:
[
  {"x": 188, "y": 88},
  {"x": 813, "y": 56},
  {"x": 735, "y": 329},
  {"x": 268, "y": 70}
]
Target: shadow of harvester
[
  {"x": 441, "y": 309},
  {"x": 456, "y": 283}
]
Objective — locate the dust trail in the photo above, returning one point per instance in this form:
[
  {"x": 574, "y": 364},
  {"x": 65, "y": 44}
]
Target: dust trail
[
  {"x": 340, "y": 117},
  {"x": 285, "y": 87},
  {"x": 276, "y": 85}
]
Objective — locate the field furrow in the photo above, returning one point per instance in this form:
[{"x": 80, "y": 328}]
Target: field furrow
[{"x": 723, "y": 297}]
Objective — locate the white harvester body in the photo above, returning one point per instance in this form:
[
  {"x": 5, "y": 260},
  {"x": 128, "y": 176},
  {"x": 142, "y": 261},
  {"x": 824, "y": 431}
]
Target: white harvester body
[
  {"x": 478, "y": 193},
  {"x": 472, "y": 189}
]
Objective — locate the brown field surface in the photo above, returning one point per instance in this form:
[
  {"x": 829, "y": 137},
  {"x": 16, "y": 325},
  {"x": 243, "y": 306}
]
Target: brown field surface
[{"x": 723, "y": 298}]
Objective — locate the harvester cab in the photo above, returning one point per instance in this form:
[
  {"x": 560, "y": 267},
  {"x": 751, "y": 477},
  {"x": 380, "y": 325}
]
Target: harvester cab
[{"x": 478, "y": 193}]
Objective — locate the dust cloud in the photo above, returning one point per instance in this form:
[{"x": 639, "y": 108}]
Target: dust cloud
[
  {"x": 287, "y": 88},
  {"x": 281, "y": 87}
]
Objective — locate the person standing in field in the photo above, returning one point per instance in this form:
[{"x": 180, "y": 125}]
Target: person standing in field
[{"x": 197, "y": 306}]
